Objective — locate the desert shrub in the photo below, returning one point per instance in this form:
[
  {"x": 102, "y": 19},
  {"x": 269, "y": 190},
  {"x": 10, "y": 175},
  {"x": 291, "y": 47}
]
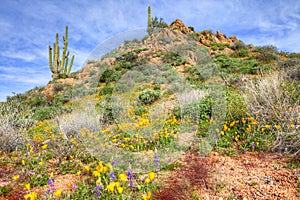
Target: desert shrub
[
  {"x": 267, "y": 100},
  {"x": 140, "y": 110},
  {"x": 83, "y": 116},
  {"x": 233, "y": 65},
  {"x": 198, "y": 109},
  {"x": 108, "y": 110},
  {"x": 93, "y": 72},
  {"x": 148, "y": 96},
  {"x": 44, "y": 113},
  {"x": 105, "y": 77},
  {"x": 274, "y": 100},
  {"x": 106, "y": 90},
  {"x": 173, "y": 58},
  {"x": 38, "y": 99},
  {"x": 241, "y": 53},
  {"x": 218, "y": 46},
  {"x": 266, "y": 54},
  {"x": 238, "y": 46},
  {"x": 194, "y": 75},
  {"x": 293, "y": 55},
  {"x": 57, "y": 88},
  {"x": 79, "y": 90},
  {"x": 122, "y": 86},
  {"x": 15, "y": 119},
  {"x": 292, "y": 68},
  {"x": 236, "y": 107}
]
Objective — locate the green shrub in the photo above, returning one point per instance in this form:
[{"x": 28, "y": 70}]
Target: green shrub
[
  {"x": 173, "y": 59},
  {"x": 106, "y": 90},
  {"x": 233, "y": 65},
  {"x": 4, "y": 190},
  {"x": 241, "y": 53},
  {"x": 197, "y": 110},
  {"x": 148, "y": 96},
  {"x": 140, "y": 110},
  {"x": 266, "y": 54},
  {"x": 105, "y": 77},
  {"x": 236, "y": 107},
  {"x": 238, "y": 45},
  {"x": 45, "y": 113}
]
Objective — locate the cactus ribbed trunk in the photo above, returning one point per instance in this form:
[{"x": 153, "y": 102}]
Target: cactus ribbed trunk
[{"x": 149, "y": 28}]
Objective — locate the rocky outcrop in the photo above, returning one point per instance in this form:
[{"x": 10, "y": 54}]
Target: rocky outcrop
[
  {"x": 208, "y": 37},
  {"x": 178, "y": 24}
]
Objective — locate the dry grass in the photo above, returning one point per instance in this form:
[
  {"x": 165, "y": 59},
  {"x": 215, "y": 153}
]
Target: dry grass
[
  {"x": 271, "y": 100},
  {"x": 83, "y": 116},
  {"x": 268, "y": 101},
  {"x": 13, "y": 123}
]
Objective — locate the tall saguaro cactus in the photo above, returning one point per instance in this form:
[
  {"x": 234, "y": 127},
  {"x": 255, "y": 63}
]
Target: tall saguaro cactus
[
  {"x": 149, "y": 28},
  {"x": 59, "y": 67}
]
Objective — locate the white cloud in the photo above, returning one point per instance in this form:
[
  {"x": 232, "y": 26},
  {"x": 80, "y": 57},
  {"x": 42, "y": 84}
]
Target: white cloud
[{"x": 28, "y": 57}]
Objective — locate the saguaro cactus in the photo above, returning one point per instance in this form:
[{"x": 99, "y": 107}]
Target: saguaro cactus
[
  {"x": 149, "y": 28},
  {"x": 59, "y": 67}
]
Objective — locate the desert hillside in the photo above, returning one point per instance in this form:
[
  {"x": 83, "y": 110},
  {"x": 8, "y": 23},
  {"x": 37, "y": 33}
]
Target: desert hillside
[{"x": 178, "y": 114}]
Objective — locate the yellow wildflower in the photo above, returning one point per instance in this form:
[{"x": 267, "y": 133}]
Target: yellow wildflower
[
  {"x": 292, "y": 126},
  {"x": 96, "y": 174},
  {"x": 243, "y": 120},
  {"x": 98, "y": 182},
  {"x": 87, "y": 168},
  {"x": 120, "y": 190},
  {"x": 109, "y": 165},
  {"x": 268, "y": 126},
  {"x": 232, "y": 124},
  {"x": 78, "y": 173},
  {"x": 31, "y": 196},
  {"x": 122, "y": 177},
  {"x": 147, "y": 180},
  {"x": 248, "y": 128},
  {"x": 111, "y": 187},
  {"x": 27, "y": 186},
  {"x": 146, "y": 196},
  {"x": 16, "y": 178},
  {"x": 151, "y": 176},
  {"x": 236, "y": 138},
  {"x": 117, "y": 184},
  {"x": 44, "y": 146},
  {"x": 41, "y": 163},
  {"x": 277, "y": 127},
  {"x": 254, "y": 123},
  {"x": 23, "y": 162},
  {"x": 57, "y": 193},
  {"x": 222, "y": 132}
]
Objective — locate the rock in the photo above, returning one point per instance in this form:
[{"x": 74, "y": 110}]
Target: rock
[{"x": 178, "y": 24}]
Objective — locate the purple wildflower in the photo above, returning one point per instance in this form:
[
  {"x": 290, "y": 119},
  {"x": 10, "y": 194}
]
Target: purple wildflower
[
  {"x": 114, "y": 162},
  {"x": 215, "y": 138},
  {"x": 130, "y": 177},
  {"x": 98, "y": 190},
  {"x": 112, "y": 175}
]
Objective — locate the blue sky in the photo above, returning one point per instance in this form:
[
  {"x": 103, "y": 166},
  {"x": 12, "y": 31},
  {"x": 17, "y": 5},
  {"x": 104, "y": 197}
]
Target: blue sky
[{"x": 27, "y": 27}]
